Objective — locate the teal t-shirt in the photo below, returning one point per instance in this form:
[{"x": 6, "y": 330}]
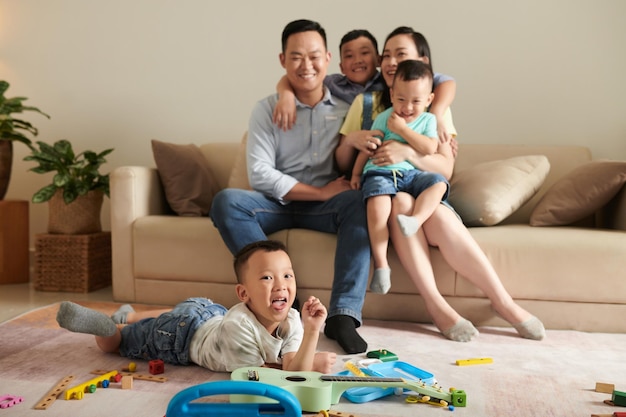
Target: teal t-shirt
[{"x": 425, "y": 124}]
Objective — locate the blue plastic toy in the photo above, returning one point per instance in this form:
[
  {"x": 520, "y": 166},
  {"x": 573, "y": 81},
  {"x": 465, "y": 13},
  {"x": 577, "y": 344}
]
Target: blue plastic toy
[{"x": 181, "y": 404}]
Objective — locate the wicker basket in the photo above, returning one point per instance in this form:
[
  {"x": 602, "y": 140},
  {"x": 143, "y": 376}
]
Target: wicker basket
[{"x": 73, "y": 263}]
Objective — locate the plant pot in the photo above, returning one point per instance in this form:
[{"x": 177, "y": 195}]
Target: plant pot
[
  {"x": 82, "y": 216},
  {"x": 6, "y": 161}
]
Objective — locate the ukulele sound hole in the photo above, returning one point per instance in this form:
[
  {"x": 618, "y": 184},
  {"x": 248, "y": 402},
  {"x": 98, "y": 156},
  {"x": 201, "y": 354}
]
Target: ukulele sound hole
[{"x": 295, "y": 378}]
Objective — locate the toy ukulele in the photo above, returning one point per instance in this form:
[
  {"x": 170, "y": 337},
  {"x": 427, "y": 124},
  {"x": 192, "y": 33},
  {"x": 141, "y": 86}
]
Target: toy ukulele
[{"x": 317, "y": 391}]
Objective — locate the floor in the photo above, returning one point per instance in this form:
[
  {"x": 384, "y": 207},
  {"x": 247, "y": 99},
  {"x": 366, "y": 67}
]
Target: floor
[{"x": 16, "y": 299}]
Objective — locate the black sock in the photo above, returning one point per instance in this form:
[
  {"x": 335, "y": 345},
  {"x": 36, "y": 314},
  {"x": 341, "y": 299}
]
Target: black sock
[{"x": 343, "y": 329}]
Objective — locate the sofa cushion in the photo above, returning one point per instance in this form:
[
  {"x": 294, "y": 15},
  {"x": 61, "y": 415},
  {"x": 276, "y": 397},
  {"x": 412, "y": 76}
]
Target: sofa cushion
[
  {"x": 488, "y": 193},
  {"x": 186, "y": 176},
  {"x": 579, "y": 193},
  {"x": 239, "y": 174}
]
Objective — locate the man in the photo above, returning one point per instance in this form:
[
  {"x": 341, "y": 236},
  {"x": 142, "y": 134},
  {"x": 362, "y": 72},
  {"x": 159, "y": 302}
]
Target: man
[{"x": 295, "y": 182}]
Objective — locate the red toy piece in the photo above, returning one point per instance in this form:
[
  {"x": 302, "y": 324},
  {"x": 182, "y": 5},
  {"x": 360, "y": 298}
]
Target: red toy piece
[
  {"x": 7, "y": 401},
  {"x": 156, "y": 367}
]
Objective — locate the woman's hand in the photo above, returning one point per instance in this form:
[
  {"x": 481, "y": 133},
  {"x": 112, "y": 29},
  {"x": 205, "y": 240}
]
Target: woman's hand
[
  {"x": 392, "y": 152},
  {"x": 364, "y": 140}
]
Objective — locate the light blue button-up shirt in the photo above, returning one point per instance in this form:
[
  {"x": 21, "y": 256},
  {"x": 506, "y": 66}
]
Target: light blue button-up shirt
[{"x": 278, "y": 160}]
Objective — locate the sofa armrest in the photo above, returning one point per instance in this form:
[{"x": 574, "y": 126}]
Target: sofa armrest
[{"x": 135, "y": 192}]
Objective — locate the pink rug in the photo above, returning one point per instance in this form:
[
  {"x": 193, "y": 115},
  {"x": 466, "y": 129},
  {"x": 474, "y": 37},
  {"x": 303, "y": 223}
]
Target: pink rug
[{"x": 555, "y": 377}]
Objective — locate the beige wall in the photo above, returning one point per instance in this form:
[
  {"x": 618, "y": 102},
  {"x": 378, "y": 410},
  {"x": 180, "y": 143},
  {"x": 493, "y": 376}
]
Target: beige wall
[{"x": 118, "y": 73}]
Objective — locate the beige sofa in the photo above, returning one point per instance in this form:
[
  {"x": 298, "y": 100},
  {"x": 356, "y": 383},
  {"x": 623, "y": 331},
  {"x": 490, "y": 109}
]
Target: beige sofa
[{"x": 572, "y": 277}]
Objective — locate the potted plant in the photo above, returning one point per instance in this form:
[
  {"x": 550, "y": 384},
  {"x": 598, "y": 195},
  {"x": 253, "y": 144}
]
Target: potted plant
[
  {"x": 12, "y": 129},
  {"x": 76, "y": 193}
]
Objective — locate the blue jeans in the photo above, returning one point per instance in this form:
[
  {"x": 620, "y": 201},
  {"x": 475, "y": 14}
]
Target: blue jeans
[
  {"x": 244, "y": 216},
  {"x": 168, "y": 336}
]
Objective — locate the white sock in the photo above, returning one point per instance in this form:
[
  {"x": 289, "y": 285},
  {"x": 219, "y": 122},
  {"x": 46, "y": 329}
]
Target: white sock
[
  {"x": 462, "y": 331},
  {"x": 408, "y": 224},
  {"x": 120, "y": 315},
  {"x": 531, "y": 329},
  {"x": 381, "y": 281},
  {"x": 76, "y": 318}
]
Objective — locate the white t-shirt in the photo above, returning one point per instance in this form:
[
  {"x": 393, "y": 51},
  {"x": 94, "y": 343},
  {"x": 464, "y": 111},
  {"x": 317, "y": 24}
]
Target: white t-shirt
[{"x": 237, "y": 339}]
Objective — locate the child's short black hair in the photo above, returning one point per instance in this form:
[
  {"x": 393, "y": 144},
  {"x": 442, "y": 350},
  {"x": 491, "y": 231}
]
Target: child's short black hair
[
  {"x": 247, "y": 251},
  {"x": 411, "y": 70},
  {"x": 355, "y": 34}
]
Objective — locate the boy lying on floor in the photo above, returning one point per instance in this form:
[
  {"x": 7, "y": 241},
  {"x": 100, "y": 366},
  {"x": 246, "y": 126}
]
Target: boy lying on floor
[{"x": 261, "y": 330}]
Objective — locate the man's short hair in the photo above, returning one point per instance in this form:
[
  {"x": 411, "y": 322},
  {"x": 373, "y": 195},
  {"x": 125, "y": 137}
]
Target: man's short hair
[
  {"x": 411, "y": 70},
  {"x": 241, "y": 258},
  {"x": 302, "y": 25}
]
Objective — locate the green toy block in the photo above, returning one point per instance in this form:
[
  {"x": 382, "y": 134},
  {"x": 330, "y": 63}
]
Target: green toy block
[
  {"x": 383, "y": 355},
  {"x": 619, "y": 398}
]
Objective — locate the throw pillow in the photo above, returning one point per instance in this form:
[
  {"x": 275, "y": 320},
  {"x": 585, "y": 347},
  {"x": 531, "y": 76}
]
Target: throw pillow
[
  {"x": 490, "y": 192},
  {"x": 187, "y": 179},
  {"x": 579, "y": 193}
]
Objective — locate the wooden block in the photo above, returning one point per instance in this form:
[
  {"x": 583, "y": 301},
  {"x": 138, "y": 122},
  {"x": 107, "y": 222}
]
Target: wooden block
[
  {"x": 606, "y": 388},
  {"x": 619, "y": 398},
  {"x": 54, "y": 393},
  {"x": 14, "y": 236},
  {"x": 127, "y": 382},
  {"x": 473, "y": 361}
]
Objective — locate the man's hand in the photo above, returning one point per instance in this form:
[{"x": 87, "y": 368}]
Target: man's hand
[
  {"x": 335, "y": 187},
  {"x": 323, "y": 362},
  {"x": 313, "y": 314}
]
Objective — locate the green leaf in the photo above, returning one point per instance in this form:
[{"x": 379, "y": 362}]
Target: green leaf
[{"x": 44, "y": 194}]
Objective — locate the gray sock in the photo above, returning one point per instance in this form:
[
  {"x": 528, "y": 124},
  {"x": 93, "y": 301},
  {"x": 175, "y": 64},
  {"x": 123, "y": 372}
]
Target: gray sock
[
  {"x": 381, "y": 281},
  {"x": 462, "y": 331},
  {"x": 120, "y": 315},
  {"x": 408, "y": 224},
  {"x": 531, "y": 329},
  {"x": 76, "y": 318}
]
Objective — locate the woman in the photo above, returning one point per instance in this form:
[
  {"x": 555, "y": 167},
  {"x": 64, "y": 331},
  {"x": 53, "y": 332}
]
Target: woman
[{"x": 443, "y": 229}]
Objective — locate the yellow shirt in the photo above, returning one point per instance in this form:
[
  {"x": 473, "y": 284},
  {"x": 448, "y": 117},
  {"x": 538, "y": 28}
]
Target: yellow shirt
[{"x": 354, "y": 118}]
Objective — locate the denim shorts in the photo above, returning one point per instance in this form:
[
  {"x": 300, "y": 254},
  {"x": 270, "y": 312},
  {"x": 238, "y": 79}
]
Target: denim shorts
[
  {"x": 390, "y": 182},
  {"x": 168, "y": 336},
  {"x": 387, "y": 182}
]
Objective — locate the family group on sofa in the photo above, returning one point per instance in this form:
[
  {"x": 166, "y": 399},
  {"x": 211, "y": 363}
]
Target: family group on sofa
[{"x": 291, "y": 167}]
